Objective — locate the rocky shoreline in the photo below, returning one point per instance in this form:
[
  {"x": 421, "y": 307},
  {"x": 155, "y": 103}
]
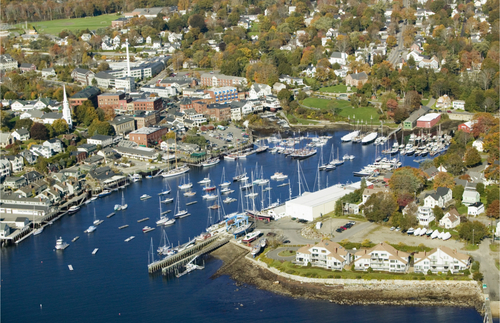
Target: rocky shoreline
[{"x": 347, "y": 292}]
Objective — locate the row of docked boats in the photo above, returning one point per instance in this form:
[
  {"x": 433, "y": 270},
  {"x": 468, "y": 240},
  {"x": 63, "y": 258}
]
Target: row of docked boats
[
  {"x": 357, "y": 137},
  {"x": 380, "y": 165},
  {"x": 433, "y": 234}
]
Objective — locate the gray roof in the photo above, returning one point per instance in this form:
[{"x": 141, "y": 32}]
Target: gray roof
[
  {"x": 336, "y": 55},
  {"x": 22, "y": 131},
  {"x": 104, "y": 75},
  {"x": 81, "y": 71},
  {"x": 121, "y": 119},
  {"x": 86, "y": 93},
  {"x": 101, "y": 137},
  {"x": 442, "y": 191},
  {"x": 135, "y": 151},
  {"x": 417, "y": 114},
  {"x": 431, "y": 170},
  {"x": 52, "y": 115},
  {"x": 359, "y": 76}
]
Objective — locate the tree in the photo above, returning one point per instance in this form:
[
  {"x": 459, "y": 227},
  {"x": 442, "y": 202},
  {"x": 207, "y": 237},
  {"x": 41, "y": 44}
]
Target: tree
[
  {"x": 198, "y": 21},
  {"x": 41, "y": 165},
  {"x": 472, "y": 157},
  {"x": 60, "y": 126},
  {"x": 472, "y": 231},
  {"x": 101, "y": 128},
  {"x": 407, "y": 180},
  {"x": 443, "y": 179},
  {"x": 493, "y": 210},
  {"x": 493, "y": 194},
  {"x": 480, "y": 188},
  {"x": 400, "y": 115},
  {"x": 457, "y": 192},
  {"x": 454, "y": 164},
  {"x": 426, "y": 164},
  {"x": 438, "y": 213},
  {"x": 380, "y": 206},
  {"x": 24, "y": 123},
  {"x": 39, "y": 132},
  {"x": 285, "y": 96}
]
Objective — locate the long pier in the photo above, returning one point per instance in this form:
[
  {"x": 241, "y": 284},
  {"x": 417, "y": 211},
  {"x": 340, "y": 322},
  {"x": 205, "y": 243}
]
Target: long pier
[{"x": 169, "y": 264}]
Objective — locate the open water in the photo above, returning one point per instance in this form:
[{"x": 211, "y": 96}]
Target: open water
[{"x": 114, "y": 285}]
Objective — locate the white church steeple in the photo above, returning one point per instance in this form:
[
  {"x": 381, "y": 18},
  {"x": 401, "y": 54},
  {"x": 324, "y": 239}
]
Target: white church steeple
[{"x": 66, "y": 110}]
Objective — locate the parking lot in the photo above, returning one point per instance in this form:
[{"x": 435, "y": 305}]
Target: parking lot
[{"x": 217, "y": 137}]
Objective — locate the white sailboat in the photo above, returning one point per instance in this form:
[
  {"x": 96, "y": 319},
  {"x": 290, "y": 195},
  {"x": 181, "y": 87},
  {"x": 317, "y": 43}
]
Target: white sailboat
[
  {"x": 223, "y": 182},
  {"x": 180, "y": 213},
  {"x": 122, "y": 206},
  {"x": 166, "y": 191},
  {"x": 185, "y": 185},
  {"x": 96, "y": 221}
]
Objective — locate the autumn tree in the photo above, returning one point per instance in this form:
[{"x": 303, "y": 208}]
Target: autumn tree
[
  {"x": 472, "y": 231},
  {"x": 39, "y": 132},
  {"x": 443, "y": 179},
  {"x": 472, "y": 157},
  {"x": 438, "y": 213},
  {"x": 493, "y": 210},
  {"x": 457, "y": 192},
  {"x": 407, "y": 180},
  {"x": 60, "y": 126},
  {"x": 380, "y": 206}
]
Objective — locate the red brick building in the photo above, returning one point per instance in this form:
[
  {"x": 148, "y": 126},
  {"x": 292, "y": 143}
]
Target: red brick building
[
  {"x": 89, "y": 93},
  {"x": 218, "y": 112},
  {"x": 112, "y": 101},
  {"x": 148, "y": 104},
  {"x": 147, "y": 136},
  {"x": 219, "y": 80},
  {"x": 223, "y": 94}
]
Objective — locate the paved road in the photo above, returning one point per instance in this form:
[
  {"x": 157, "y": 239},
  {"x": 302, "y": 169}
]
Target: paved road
[
  {"x": 488, "y": 268},
  {"x": 352, "y": 231},
  {"x": 273, "y": 254}
]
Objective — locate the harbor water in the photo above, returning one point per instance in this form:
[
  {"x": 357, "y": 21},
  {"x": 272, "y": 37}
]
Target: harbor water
[{"x": 113, "y": 285}]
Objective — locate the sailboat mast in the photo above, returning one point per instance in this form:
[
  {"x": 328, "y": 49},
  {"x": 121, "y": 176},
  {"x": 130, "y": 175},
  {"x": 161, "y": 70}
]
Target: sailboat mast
[
  {"x": 298, "y": 174},
  {"x": 175, "y": 150}
]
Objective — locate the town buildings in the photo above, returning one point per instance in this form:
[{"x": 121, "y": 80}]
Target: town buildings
[
  {"x": 325, "y": 254},
  {"x": 221, "y": 80},
  {"x": 441, "y": 260},
  {"x": 147, "y": 136},
  {"x": 382, "y": 257}
]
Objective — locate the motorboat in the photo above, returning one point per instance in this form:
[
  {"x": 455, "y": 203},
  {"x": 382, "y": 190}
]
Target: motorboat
[
  {"x": 231, "y": 157},
  {"x": 423, "y": 231},
  {"x": 228, "y": 200},
  {"x": 204, "y": 181},
  {"x": 209, "y": 188},
  {"x": 279, "y": 176},
  {"x": 60, "y": 244},
  {"x": 330, "y": 167},
  {"x": 416, "y": 232},
  {"x": 210, "y": 162},
  {"x": 129, "y": 238},
  {"x": 189, "y": 194},
  {"x": 185, "y": 186},
  {"x": 38, "y": 231},
  {"x": 73, "y": 209},
  {"x": 226, "y": 191},
  {"x": 410, "y": 231},
  {"x": 147, "y": 229},
  {"x": 162, "y": 220},
  {"x": 251, "y": 236},
  {"x": 252, "y": 195},
  {"x": 104, "y": 193},
  {"x": 168, "y": 200},
  {"x": 435, "y": 234},
  {"x": 209, "y": 197},
  {"x": 145, "y": 197},
  {"x": 261, "y": 149},
  {"x": 90, "y": 229}
]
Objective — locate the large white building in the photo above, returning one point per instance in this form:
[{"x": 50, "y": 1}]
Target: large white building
[
  {"x": 310, "y": 206},
  {"x": 441, "y": 259},
  {"x": 325, "y": 254},
  {"x": 382, "y": 257}
]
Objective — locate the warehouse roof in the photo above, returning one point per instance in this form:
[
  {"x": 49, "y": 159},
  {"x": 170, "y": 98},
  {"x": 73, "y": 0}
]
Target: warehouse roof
[
  {"x": 429, "y": 117},
  {"x": 324, "y": 196}
]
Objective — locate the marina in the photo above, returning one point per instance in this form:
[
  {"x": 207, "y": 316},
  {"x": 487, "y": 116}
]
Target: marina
[{"x": 132, "y": 255}]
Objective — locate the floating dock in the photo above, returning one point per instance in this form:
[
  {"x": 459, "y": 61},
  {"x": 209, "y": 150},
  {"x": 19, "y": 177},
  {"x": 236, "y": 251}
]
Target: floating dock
[
  {"x": 75, "y": 238},
  {"x": 99, "y": 222},
  {"x": 129, "y": 238},
  {"x": 191, "y": 203},
  {"x": 123, "y": 226},
  {"x": 142, "y": 220},
  {"x": 110, "y": 215}
]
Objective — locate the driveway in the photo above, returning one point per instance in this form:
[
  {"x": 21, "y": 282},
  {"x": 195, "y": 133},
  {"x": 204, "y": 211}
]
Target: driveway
[
  {"x": 273, "y": 254},
  {"x": 490, "y": 272}
]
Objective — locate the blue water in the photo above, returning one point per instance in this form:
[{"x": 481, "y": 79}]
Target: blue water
[{"x": 114, "y": 285}]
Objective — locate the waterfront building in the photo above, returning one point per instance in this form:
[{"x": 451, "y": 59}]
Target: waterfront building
[
  {"x": 429, "y": 120},
  {"x": 147, "y": 136},
  {"x": 141, "y": 153},
  {"x": 441, "y": 259},
  {"x": 313, "y": 205},
  {"x": 325, "y": 254},
  {"x": 411, "y": 121},
  {"x": 382, "y": 257}
]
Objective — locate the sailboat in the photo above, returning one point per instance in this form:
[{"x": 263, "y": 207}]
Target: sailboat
[
  {"x": 223, "y": 182},
  {"x": 322, "y": 165},
  {"x": 180, "y": 213},
  {"x": 96, "y": 221},
  {"x": 166, "y": 248},
  {"x": 122, "y": 206},
  {"x": 166, "y": 191},
  {"x": 163, "y": 219},
  {"x": 185, "y": 185},
  {"x": 240, "y": 174},
  {"x": 177, "y": 170}
]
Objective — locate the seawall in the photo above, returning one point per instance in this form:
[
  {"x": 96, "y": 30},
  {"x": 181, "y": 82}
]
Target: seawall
[{"x": 347, "y": 291}]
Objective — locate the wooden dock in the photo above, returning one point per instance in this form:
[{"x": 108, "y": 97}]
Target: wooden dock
[
  {"x": 170, "y": 264},
  {"x": 123, "y": 226},
  {"x": 142, "y": 220}
]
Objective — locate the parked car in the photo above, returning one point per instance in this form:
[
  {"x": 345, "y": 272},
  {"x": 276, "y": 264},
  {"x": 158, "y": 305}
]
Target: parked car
[{"x": 339, "y": 230}]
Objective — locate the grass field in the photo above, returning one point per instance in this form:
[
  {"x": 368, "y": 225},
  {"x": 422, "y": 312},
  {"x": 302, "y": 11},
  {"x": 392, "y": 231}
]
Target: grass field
[
  {"x": 341, "y": 88},
  {"x": 54, "y": 27},
  {"x": 363, "y": 113}
]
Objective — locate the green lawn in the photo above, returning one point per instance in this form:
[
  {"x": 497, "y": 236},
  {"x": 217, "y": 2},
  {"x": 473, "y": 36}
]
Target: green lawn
[
  {"x": 255, "y": 28},
  {"x": 425, "y": 101},
  {"x": 54, "y": 27},
  {"x": 363, "y": 113},
  {"x": 341, "y": 88},
  {"x": 300, "y": 120}
]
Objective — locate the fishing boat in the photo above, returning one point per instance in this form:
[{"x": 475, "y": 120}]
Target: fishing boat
[
  {"x": 251, "y": 236},
  {"x": 180, "y": 213},
  {"x": 73, "y": 209},
  {"x": 60, "y": 244},
  {"x": 147, "y": 229},
  {"x": 145, "y": 197},
  {"x": 210, "y": 162},
  {"x": 279, "y": 176}
]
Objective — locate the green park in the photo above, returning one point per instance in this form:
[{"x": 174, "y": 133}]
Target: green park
[{"x": 54, "y": 27}]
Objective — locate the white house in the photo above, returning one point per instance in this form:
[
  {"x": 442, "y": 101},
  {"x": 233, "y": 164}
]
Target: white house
[
  {"x": 470, "y": 196},
  {"x": 310, "y": 71},
  {"x": 258, "y": 91},
  {"x": 291, "y": 80},
  {"x": 478, "y": 144},
  {"x": 5, "y": 169},
  {"x": 432, "y": 63},
  {"x": 39, "y": 150},
  {"x": 338, "y": 57},
  {"x": 277, "y": 87},
  {"x": 442, "y": 196},
  {"x": 325, "y": 254},
  {"x": 475, "y": 209},
  {"x": 55, "y": 144},
  {"x": 425, "y": 215},
  {"x": 459, "y": 104},
  {"x": 382, "y": 257},
  {"x": 21, "y": 134},
  {"x": 416, "y": 56},
  {"x": 16, "y": 162},
  {"x": 450, "y": 220},
  {"x": 442, "y": 259}
]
